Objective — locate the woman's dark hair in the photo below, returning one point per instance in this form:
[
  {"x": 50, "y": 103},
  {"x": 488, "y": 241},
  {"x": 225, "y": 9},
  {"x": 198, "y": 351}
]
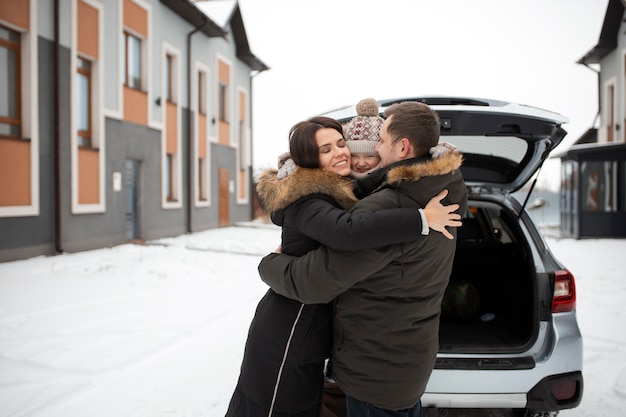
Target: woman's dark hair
[{"x": 302, "y": 145}]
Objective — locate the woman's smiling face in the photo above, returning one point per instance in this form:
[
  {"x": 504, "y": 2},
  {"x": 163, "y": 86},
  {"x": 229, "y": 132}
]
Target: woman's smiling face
[{"x": 333, "y": 152}]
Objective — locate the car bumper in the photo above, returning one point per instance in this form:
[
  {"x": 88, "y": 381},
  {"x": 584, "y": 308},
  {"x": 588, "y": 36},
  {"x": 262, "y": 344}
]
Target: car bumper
[{"x": 559, "y": 370}]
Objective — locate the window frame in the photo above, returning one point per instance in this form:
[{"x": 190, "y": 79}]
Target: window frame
[
  {"x": 14, "y": 122},
  {"x": 85, "y": 136},
  {"x": 128, "y": 36},
  {"x": 170, "y": 189},
  {"x": 202, "y": 96},
  {"x": 202, "y": 189},
  {"x": 223, "y": 102},
  {"x": 169, "y": 78},
  {"x": 243, "y": 148}
]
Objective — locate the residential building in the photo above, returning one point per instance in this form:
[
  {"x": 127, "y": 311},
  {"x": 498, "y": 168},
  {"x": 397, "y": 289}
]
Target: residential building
[
  {"x": 122, "y": 121},
  {"x": 593, "y": 170}
]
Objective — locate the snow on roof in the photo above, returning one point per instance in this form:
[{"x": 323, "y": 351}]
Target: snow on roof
[{"x": 219, "y": 11}]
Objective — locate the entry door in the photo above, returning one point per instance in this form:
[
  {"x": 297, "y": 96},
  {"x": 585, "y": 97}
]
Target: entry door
[
  {"x": 224, "y": 196},
  {"x": 132, "y": 187}
]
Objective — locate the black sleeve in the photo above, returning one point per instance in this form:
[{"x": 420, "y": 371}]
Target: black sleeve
[
  {"x": 365, "y": 186},
  {"x": 321, "y": 220}
]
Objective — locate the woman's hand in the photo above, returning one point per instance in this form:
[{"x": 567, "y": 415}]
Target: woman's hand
[{"x": 439, "y": 216}]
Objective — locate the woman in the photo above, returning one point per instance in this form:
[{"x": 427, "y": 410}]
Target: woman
[{"x": 288, "y": 342}]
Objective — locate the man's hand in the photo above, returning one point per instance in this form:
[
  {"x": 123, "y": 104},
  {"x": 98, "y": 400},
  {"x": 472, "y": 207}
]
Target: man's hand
[{"x": 439, "y": 216}]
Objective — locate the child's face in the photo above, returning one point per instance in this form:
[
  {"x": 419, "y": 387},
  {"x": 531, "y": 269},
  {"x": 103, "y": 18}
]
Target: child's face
[
  {"x": 334, "y": 154},
  {"x": 364, "y": 162}
]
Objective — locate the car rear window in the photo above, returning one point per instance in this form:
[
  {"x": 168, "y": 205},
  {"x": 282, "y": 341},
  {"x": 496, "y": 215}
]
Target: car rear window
[{"x": 505, "y": 147}]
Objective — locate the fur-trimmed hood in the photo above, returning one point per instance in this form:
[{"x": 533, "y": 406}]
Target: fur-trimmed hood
[
  {"x": 447, "y": 163},
  {"x": 276, "y": 194}
]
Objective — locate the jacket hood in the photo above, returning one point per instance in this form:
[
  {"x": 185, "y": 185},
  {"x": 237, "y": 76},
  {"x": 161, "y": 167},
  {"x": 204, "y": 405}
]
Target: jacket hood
[
  {"x": 447, "y": 163},
  {"x": 276, "y": 194}
]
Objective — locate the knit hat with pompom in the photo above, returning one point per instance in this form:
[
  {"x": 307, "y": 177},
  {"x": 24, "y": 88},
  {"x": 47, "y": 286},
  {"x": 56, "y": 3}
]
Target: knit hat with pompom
[{"x": 362, "y": 133}]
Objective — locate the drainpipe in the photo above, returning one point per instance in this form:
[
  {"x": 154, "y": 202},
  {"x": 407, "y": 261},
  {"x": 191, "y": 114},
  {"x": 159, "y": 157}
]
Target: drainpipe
[
  {"x": 189, "y": 132},
  {"x": 58, "y": 241}
]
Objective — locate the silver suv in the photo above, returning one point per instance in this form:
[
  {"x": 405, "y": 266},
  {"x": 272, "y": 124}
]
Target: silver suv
[{"x": 509, "y": 340}]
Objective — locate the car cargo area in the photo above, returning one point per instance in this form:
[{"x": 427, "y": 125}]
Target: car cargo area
[{"x": 488, "y": 305}]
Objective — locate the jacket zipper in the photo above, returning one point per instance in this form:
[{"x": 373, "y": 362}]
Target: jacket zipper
[{"x": 280, "y": 370}]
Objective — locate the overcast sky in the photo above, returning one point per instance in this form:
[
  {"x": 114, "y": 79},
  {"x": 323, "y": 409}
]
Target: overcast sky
[{"x": 328, "y": 53}]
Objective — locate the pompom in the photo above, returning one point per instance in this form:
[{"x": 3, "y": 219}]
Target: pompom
[{"x": 367, "y": 107}]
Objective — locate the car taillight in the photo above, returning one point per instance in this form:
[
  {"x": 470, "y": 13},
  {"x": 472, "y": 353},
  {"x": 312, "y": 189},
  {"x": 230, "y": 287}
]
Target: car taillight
[
  {"x": 564, "y": 297},
  {"x": 564, "y": 391}
]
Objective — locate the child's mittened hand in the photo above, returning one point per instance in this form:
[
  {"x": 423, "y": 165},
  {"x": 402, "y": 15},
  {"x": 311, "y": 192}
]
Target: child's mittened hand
[
  {"x": 441, "y": 149},
  {"x": 287, "y": 168}
]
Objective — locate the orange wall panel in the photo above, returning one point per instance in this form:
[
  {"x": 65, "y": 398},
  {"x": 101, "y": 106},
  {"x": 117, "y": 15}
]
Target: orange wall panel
[
  {"x": 88, "y": 176},
  {"x": 224, "y": 135},
  {"x": 87, "y": 29},
  {"x": 135, "y": 106},
  {"x": 16, "y": 12},
  {"x": 202, "y": 121},
  {"x": 223, "y": 72},
  {"x": 172, "y": 127},
  {"x": 14, "y": 172},
  {"x": 136, "y": 17},
  {"x": 242, "y": 105}
]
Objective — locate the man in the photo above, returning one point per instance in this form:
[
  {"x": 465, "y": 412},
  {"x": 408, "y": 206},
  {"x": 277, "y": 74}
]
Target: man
[{"x": 388, "y": 300}]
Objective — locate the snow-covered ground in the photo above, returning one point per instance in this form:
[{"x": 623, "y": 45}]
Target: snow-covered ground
[{"x": 158, "y": 330}]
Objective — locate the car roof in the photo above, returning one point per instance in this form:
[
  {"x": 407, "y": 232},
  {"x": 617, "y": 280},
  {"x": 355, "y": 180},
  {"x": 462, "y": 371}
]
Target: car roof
[{"x": 503, "y": 143}]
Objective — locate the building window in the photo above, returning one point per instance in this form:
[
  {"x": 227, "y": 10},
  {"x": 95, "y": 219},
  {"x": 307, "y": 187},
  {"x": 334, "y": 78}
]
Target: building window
[
  {"x": 611, "y": 114},
  {"x": 169, "y": 79},
  {"x": 223, "y": 102},
  {"x": 201, "y": 179},
  {"x": 132, "y": 70},
  {"x": 169, "y": 177},
  {"x": 599, "y": 186},
  {"x": 83, "y": 102},
  {"x": 10, "y": 103},
  {"x": 202, "y": 92},
  {"x": 242, "y": 145}
]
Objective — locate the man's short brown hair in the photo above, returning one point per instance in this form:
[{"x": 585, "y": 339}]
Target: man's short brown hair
[{"x": 415, "y": 121}]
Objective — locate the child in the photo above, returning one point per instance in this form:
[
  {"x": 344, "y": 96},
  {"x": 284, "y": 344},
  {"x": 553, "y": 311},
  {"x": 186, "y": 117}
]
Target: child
[{"x": 362, "y": 135}]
